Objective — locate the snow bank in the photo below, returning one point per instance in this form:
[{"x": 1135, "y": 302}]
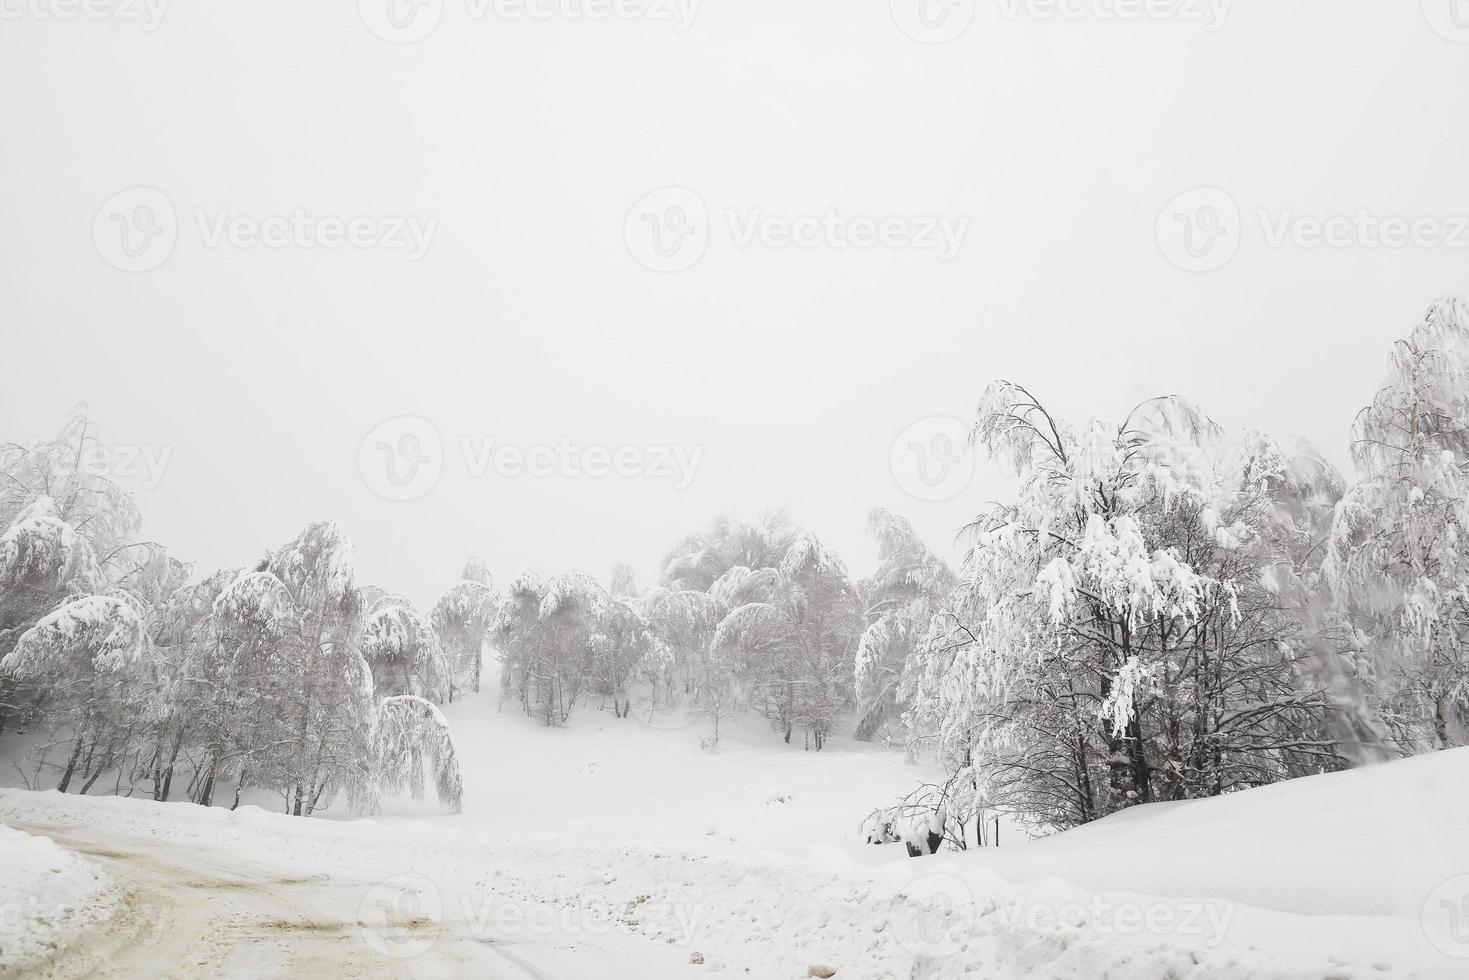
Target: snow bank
[
  {"x": 1355, "y": 862},
  {"x": 751, "y": 858},
  {"x": 1369, "y": 841},
  {"x": 47, "y": 896}
]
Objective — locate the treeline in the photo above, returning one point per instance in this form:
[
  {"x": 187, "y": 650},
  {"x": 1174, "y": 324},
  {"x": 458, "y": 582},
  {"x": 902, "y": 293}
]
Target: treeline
[
  {"x": 1165, "y": 611},
  {"x": 285, "y": 676},
  {"x": 1168, "y": 611},
  {"x": 756, "y": 618}
]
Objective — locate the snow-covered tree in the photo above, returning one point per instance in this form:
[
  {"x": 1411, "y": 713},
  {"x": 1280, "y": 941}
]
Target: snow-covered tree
[
  {"x": 302, "y": 706},
  {"x": 1398, "y": 561},
  {"x": 183, "y": 636},
  {"x": 621, "y": 638},
  {"x": 70, "y": 531},
  {"x": 403, "y": 652},
  {"x": 790, "y": 635},
  {"x": 623, "y": 583},
  {"x": 90, "y": 657},
  {"x": 1124, "y": 631},
  {"x": 71, "y": 470},
  {"x": 543, "y": 633},
  {"x": 475, "y": 570},
  {"x": 462, "y": 618},
  {"x": 911, "y": 584},
  {"x": 412, "y": 735},
  {"x": 683, "y": 621},
  {"x": 700, "y": 559},
  {"x": 43, "y": 560}
]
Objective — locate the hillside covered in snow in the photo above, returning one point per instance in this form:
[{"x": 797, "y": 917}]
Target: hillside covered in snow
[{"x": 639, "y": 847}]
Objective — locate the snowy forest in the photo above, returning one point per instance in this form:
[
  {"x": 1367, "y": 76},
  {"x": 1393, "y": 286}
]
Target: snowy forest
[{"x": 1165, "y": 610}]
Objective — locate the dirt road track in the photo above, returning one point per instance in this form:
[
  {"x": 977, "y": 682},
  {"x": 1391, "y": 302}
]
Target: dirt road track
[{"x": 186, "y": 912}]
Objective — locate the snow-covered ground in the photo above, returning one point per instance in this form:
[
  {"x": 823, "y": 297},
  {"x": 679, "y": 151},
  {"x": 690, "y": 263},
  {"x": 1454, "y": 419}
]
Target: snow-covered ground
[
  {"x": 47, "y": 896},
  {"x": 619, "y": 842}
]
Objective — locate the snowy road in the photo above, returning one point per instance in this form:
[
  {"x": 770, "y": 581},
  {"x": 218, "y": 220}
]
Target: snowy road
[{"x": 187, "y": 912}]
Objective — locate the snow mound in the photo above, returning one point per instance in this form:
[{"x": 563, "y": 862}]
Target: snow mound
[
  {"x": 1368, "y": 841},
  {"x": 47, "y": 896}
]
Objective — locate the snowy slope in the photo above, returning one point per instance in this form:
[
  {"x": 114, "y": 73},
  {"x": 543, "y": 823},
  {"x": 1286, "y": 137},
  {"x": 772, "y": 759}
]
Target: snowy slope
[
  {"x": 1328, "y": 876},
  {"x": 47, "y": 895},
  {"x": 1367, "y": 871},
  {"x": 645, "y": 780},
  {"x": 1371, "y": 841}
]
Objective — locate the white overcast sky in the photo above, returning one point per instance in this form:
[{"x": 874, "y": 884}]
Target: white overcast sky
[{"x": 529, "y": 320}]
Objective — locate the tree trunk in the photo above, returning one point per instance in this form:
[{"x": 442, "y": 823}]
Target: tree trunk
[
  {"x": 71, "y": 766},
  {"x": 88, "y": 784},
  {"x": 160, "y": 793},
  {"x": 7, "y": 690},
  {"x": 1139, "y": 770}
]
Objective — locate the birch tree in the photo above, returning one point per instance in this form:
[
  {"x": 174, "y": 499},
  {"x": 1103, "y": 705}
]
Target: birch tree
[
  {"x": 1121, "y": 634},
  {"x": 1398, "y": 563}
]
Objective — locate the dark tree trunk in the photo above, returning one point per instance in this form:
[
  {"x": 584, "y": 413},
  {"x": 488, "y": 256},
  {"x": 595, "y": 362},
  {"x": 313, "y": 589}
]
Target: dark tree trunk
[
  {"x": 90, "y": 780},
  {"x": 71, "y": 766}
]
